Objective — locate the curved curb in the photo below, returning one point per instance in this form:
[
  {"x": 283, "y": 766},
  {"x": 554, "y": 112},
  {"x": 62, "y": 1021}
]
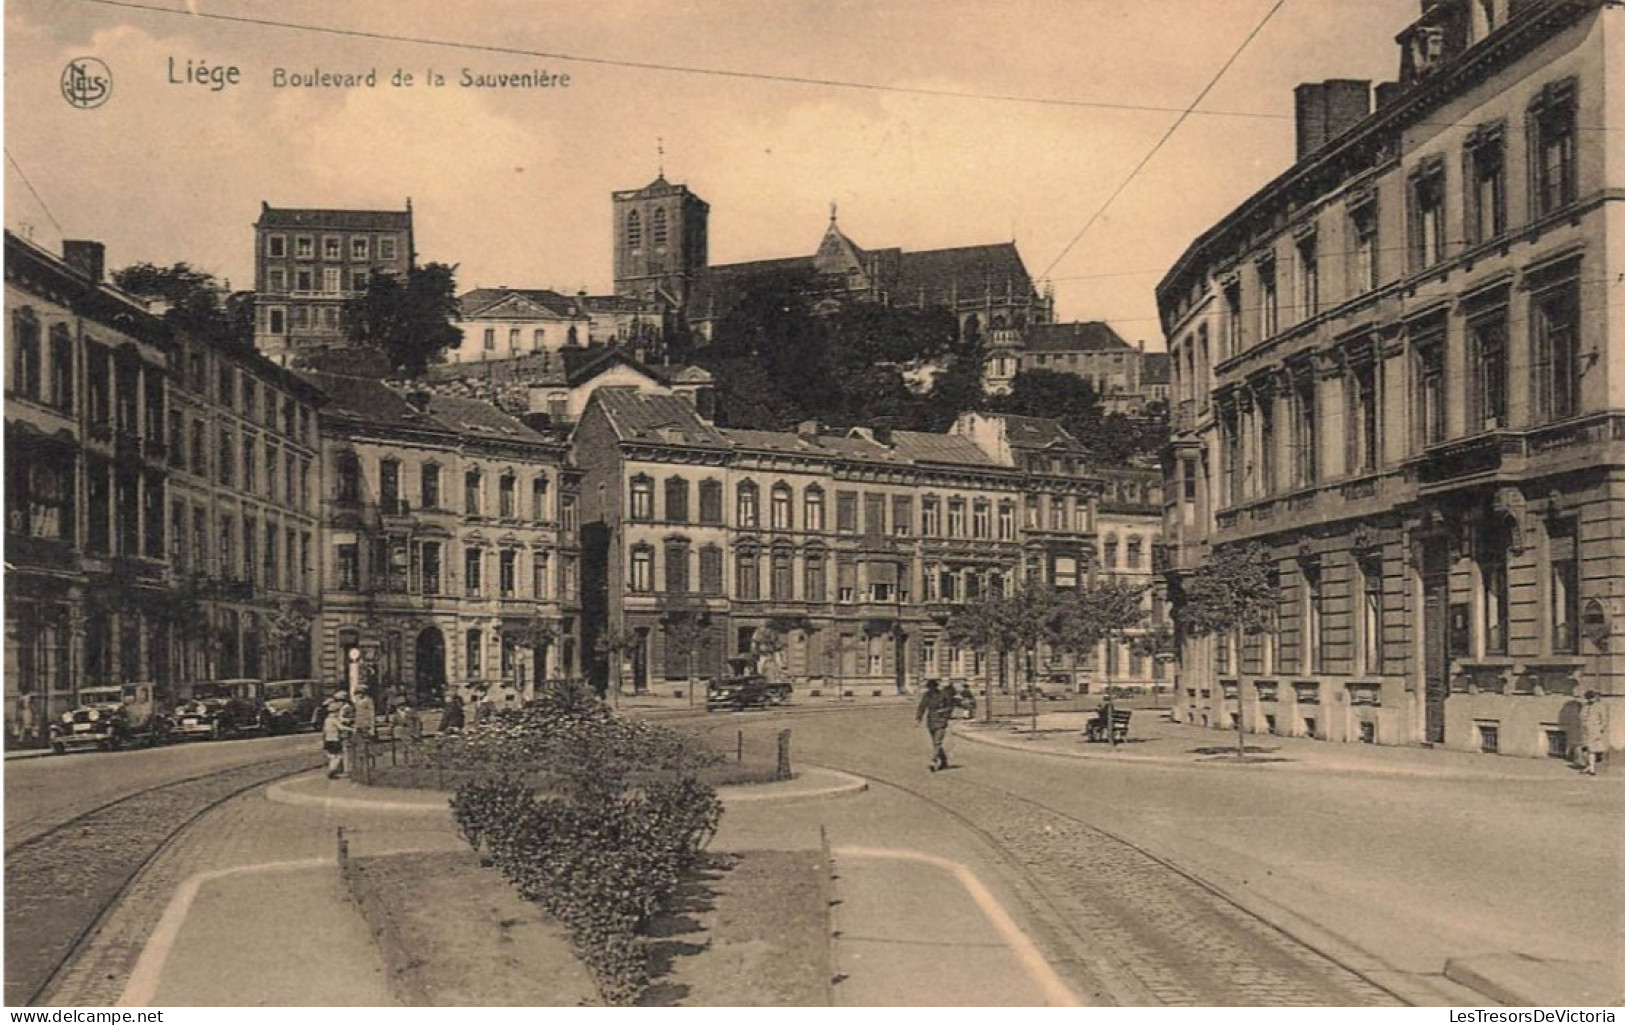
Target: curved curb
[
  {"x": 284, "y": 793},
  {"x": 843, "y": 783}
]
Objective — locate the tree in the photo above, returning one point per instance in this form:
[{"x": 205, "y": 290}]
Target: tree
[
  {"x": 1101, "y": 613},
  {"x": 986, "y": 625},
  {"x": 197, "y": 302},
  {"x": 411, "y": 320},
  {"x": 686, "y": 630},
  {"x": 612, "y": 645},
  {"x": 288, "y": 629},
  {"x": 1233, "y": 592},
  {"x": 537, "y": 634}
]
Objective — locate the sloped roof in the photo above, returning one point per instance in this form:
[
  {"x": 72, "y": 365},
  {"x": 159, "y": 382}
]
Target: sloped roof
[
  {"x": 473, "y": 303},
  {"x": 772, "y": 441},
  {"x": 479, "y": 419},
  {"x": 369, "y": 399},
  {"x": 972, "y": 270},
  {"x": 953, "y": 449},
  {"x": 1035, "y": 432},
  {"x": 1078, "y": 336},
  {"x": 638, "y": 417},
  {"x": 377, "y": 220}
]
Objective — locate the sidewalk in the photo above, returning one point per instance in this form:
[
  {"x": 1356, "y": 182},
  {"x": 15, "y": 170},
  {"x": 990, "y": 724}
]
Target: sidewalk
[{"x": 1154, "y": 739}]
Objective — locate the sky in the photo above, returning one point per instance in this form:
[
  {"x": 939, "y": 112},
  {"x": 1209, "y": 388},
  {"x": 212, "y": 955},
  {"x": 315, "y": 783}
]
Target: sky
[{"x": 513, "y": 185}]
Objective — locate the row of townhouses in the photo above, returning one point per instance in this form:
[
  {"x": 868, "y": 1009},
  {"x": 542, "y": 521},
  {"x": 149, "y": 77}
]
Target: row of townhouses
[
  {"x": 1394, "y": 368},
  {"x": 182, "y": 509}
]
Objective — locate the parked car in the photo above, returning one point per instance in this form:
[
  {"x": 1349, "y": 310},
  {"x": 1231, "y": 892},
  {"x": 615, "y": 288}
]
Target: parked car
[
  {"x": 745, "y": 687},
  {"x": 289, "y": 705},
  {"x": 220, "y": 709},
  {"x": 111, "y": 717}
]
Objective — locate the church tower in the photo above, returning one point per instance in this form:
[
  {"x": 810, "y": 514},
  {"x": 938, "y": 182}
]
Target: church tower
[{"x": 660, "y": 241}]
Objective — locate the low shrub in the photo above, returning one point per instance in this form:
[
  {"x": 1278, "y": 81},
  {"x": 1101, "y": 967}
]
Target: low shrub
[{"x": 606, "y": 845}]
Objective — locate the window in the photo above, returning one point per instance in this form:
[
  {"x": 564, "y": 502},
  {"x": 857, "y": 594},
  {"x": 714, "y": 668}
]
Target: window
[
  {"x": 276, "y": 279},
  {"x": 676, "y": 567},
  {"x": 429, "y": 487},
  {"x": 747, "y": 565},
  {"x": 846, "y": 580},
  {"x": 981, "y": 521},
  {"x": 348, "y": 558},
  {"x": 1308, "y": 276},
  {"x": 473, "y": 564},
  {"x": 250, "y": 466},
  {"x": 1108, "y": 552},
  {"x": 332, "y": 247},
  {"x": 1492, "y": 541},
  {"x": 507, "y": 572},
  {"x": 846, "y": 512},
  {"x": 304, "y": 280},
  {"x": 1486, "y": 192},
  {"x": 1564, "y": 603},
  {"x": 348, "y": 469},
  {"x": 304, "y": 247},
  {"x": 781, "y": 507},
  {"x": 780, "y": 583},
  {"x": 1363, "y": 418},
  {"x": 386, "y": 249},
  {"x": 1551, "y": 122},
  {"x": 474, "y": 649},
  {"x": 1314, "y": 615},
  {"x": 62, "y": 373},
  {"x": 389, "y": 485},
  {"x": 1427, "y": 215},
  {"x": 200, "y": 458},
  {"x": 276, "y": 246},
  {"x": 1305, "y": 419},
  {"x": 538, "y": 339},
  {"x": 642, "y": 495},
  {"x": 634, "y": 230},
  {"x": 272, "y": 563},
  {"x": 567, "y": 513},
  {"x": 1232, "y": 318},
  {"x": 676, "y": 500},
  {"x": 228, "y": 458},
  {"x": 1269, "y": 300},
  {"x": 1487, "y": 390},
  {"x": 956, "y": 517},
  {"x": 1057, "y": 512},
  {"x": 1428, "y": 349},
  {"x": 711, "y": 570},
  {"x": 812, "y": 508},
  {"x": 538, "y": 500},
  {"x": 1371, "y": 649},
  {"x": 902, "y": 515},
  {"x": 277, "y": 320},
  {"x": 177, "y": 439},
  {"x": 814, "y": 583},
  {"x": 39, "y": 497},
  {"x": 473, "y": 497},
  {"x": 1064, "y": 573},
  {"x": 874, "y": 514},
  {"x": 1266, "y": 443},
  {"x": 1364, "y": 257},
  {"x": 270, "y": 471},
  {"x": 747, "y": 513},
  {"x": 1557, "y": 352},
  {"x": 1007, "y": 521},
  {"x": 490, "y": 340},
  {"x": 538, "y": 575},
  {"x": 657, "y": 234},
  {"x": 358, "y": 247},
  {"x": 1135, "y": 552},
  {"x": 930, "y": 517},
  {"x": 513, "y": 339}
]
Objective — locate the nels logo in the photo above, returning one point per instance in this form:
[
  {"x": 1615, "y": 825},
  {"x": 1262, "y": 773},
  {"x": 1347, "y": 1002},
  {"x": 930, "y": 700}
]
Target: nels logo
[{"x": 86, "y": 83}]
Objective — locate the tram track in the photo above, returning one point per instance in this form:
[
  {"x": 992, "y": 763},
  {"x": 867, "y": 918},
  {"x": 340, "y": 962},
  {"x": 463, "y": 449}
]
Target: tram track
[
  {"x": 1128, "y": 926},
  {"x": 62, "y": 882}
]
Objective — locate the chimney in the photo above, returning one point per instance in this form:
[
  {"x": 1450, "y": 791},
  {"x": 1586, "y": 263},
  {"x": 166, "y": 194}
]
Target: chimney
[
  {"x": 1327, "y": 109},
  {"x": 88, "y": 258}
]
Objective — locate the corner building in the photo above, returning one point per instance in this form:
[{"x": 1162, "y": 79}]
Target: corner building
[{"x": 1395, "y": 367}]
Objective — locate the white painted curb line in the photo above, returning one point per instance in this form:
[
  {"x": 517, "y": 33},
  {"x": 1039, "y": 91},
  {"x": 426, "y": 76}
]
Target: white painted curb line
[{"x": 1056, "y": 992}]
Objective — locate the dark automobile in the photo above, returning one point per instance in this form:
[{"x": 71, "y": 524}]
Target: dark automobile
[
  {"x": 111, "y": 717},
  {"x": 289, "y": 705},
  {"x": 745, "y": 687},
  {"x": 220, "y": 709}
]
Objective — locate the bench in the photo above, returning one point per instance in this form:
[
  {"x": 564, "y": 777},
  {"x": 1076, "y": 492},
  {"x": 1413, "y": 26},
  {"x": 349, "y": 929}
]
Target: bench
[{"x": 1095, "y": 730}]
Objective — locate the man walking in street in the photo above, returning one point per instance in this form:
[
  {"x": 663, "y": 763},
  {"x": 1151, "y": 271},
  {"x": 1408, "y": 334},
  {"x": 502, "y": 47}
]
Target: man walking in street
[{"x": 937, "y": 709}]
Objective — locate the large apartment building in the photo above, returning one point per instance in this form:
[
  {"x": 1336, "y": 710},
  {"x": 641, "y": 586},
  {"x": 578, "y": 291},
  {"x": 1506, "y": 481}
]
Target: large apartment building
[
  {"x": 309, "y": 263},
  {"x": 850, "y": 549},
  {"x": 450, "y": 558},
  {"x": 1394, "y": 367}
]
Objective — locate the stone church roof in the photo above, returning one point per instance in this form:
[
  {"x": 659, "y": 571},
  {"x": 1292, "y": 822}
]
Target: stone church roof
[{"x": 1078, "y": 336}]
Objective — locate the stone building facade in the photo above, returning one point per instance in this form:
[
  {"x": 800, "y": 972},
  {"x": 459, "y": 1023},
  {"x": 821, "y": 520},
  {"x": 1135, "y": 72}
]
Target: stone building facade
[
  {"x": 842, "y": 555},
  {"x": 1394, "y": 367},
  {"x": 450, "y": 557}
]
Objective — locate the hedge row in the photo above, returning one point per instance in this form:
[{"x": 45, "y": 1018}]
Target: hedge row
[{"x": 605, "y": 848}]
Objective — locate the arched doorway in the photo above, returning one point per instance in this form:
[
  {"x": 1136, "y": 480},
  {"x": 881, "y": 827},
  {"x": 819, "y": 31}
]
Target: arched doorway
[{"x": 430, "y": 664}]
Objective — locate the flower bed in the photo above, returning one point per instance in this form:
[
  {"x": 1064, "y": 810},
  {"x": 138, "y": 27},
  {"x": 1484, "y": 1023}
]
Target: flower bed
[{"x": 595, "y": 817}]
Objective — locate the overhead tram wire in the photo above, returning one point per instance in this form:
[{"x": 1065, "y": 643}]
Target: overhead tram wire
[
  {"x": 1186, "y": 113},
  {"x": 34, "y": 192}
]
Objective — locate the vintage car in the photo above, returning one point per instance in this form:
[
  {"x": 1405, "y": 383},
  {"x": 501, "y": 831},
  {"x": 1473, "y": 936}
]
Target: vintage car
[
  {"x": 111, "y": 717},
  {"x": 745, "y": 687},
  {"x": 220, "y": 709},
  {"x": 289, "y": 705}
]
